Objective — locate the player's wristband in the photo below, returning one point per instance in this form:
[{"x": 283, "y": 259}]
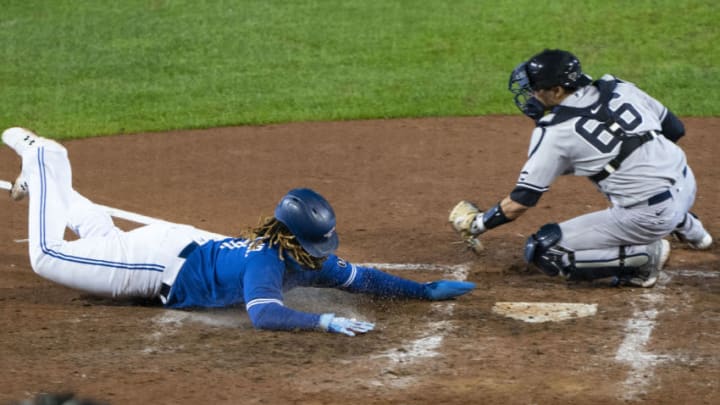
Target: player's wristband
[
  {"x": 324, "y": 323},
  {"x": 494, "y": 217}
]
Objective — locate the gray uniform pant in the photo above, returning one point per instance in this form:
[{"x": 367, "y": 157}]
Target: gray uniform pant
[{"x": 595, "y": 237}]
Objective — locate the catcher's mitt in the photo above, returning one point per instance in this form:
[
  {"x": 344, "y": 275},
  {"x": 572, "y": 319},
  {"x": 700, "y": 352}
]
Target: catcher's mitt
[{"x": 461, "y": 218}]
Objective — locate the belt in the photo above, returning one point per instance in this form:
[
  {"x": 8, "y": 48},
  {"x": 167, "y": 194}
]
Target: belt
[
  {"x": 165, "y": 291},
  {"x": 187, "y": 250},
  {"x": 658, "y": 198}
]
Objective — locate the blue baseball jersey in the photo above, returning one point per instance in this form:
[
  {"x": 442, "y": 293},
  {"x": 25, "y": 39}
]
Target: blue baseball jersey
[{"x": 227, "y": 272}]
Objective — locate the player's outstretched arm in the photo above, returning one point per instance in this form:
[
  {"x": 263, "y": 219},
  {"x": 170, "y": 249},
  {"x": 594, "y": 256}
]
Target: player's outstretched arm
[
  {"x": 337, "y": 273},
  {"x": 272, "y": 315}
]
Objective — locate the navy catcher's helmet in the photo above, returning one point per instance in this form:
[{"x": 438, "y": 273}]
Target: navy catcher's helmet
[
  {"x": 555, "y": 67},
  {"x": 551, "y": 67},
  {"x": 311, "y": 219}
]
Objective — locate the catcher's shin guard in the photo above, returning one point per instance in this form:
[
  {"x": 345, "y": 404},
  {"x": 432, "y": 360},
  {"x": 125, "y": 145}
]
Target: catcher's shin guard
[{"x": 640, "y": 270}]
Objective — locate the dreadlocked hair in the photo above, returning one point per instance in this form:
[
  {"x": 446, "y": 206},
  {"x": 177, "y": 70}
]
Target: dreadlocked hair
[{"x": 272, "y": 232}]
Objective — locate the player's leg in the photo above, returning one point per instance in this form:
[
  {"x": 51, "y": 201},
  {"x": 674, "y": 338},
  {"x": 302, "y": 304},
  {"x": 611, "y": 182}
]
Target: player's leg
[
  {"x": 691, "y": 231},
  {"x": 42, "y": 159},
  {"x": 84, "y": 217},
  {"x": 88, "y": 220},
  {"x": 105, "y": 261},
  {"x": 598, "y": 245},
  {"x": 689, "y": 228},
  {"x": 101, "y": 265},
  {"x": 628, "y": 242},
  {"x": 637, "y": 265}
]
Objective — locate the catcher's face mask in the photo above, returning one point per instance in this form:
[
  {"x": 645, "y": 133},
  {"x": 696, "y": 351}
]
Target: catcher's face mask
[{"x": 519, "y": 86}]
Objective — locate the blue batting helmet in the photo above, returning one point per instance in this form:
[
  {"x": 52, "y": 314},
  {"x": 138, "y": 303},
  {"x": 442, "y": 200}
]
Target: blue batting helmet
[{"x": 311, "y": 219}]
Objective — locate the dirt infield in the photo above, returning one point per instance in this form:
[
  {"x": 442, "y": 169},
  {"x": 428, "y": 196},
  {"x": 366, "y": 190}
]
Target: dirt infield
[{"x": 391, "y": 183}]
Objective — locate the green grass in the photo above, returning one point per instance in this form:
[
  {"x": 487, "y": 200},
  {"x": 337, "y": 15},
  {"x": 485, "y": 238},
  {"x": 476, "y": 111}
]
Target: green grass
[{"x": 82, "y": 68}]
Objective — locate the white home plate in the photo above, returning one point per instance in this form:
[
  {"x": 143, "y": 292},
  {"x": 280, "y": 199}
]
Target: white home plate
[{"x": 537, "y": 312}]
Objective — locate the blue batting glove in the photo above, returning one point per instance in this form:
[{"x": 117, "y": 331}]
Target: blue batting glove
[
  {"x": 333, "y": 324},
  {"x": 446, "y": 289}
]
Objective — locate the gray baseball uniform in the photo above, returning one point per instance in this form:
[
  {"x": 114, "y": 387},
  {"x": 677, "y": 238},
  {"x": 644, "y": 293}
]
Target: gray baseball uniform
[{"x": 651, "y": 191}]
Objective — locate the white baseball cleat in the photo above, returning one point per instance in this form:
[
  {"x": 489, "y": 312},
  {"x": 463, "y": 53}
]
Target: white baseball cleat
[
  {"x": 647, "y": 275},
  {"x": 19, "y": 189},
  {"x": 19, "y": 139},
  {"x": 702, "y": 244}
]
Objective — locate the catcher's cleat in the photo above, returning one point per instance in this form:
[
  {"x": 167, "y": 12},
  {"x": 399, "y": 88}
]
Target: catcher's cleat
[
  {"x": 646, "y": 276},
  {"x": 703, "y": 243},
  {"x": 19, "y": 189}
]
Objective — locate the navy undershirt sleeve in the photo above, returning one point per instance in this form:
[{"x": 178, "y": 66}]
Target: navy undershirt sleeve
[
  {"x": 525, "y": 196},
  {"x": 672, "y": 128}
]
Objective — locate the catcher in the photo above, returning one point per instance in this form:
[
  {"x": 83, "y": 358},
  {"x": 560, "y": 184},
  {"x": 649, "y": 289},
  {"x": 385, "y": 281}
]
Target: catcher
[
  {"x": 624, "y": 141},
  {"x": 186, "y": 267}
]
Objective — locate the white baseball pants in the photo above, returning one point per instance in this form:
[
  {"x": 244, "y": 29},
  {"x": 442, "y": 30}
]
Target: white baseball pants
[
  {"x": 595, "y": 237},
  {"x": 105, "y": 260}
]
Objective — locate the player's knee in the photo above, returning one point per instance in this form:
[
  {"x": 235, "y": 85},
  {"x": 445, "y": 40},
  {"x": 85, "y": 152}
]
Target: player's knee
[
  {"x": 41, "y": 263},
  {"x": 542, "y": 251}
]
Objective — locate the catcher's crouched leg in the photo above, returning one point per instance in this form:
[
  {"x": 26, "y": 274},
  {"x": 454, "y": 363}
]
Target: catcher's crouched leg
[{"x": 541, "y": 249}]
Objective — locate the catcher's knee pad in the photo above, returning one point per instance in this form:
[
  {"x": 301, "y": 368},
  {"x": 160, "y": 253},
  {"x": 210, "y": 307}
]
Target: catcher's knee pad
[{"x": 541, "y": 249}]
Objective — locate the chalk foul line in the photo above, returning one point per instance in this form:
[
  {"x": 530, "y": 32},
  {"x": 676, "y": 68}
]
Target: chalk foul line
[
  {"x": 429, "y": 341},
  {"x": 638, "y": 331}
]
